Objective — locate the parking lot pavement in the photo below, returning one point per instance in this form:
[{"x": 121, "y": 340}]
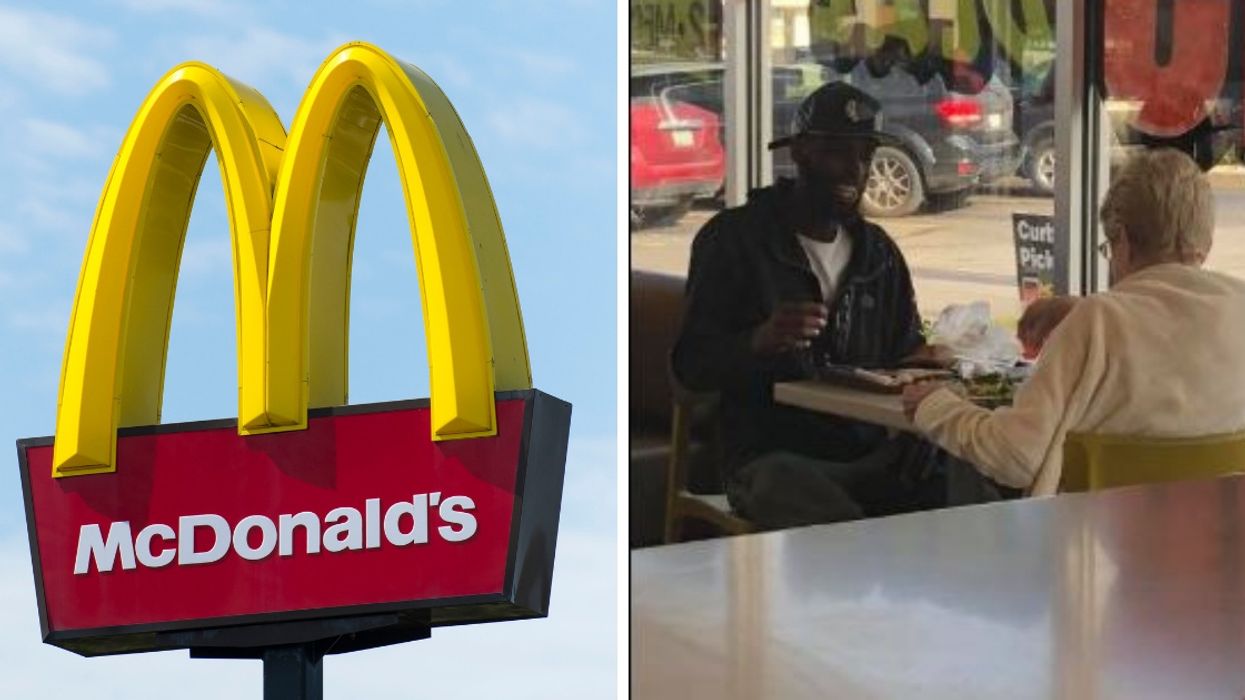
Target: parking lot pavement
[
  {"x": 964, "y": 254},
  {"x": 961, "y": 255}
]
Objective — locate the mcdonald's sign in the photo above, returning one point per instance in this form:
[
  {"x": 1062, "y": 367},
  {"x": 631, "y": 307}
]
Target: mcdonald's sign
[{"x": 306, "y": 518}]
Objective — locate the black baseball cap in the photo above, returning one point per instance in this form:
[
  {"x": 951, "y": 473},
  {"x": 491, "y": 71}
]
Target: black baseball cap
[{"x": 836, "y": 110}]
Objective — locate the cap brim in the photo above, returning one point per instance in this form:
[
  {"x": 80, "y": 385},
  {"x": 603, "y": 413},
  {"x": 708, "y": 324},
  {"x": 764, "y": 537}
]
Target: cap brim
[
  {"x": 779, "y": 143},
  {"x": 881, "y": 138}
]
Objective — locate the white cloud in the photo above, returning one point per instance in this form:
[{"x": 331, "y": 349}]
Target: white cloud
[
  {"x": 537, "y": 123},
  {"x": 543, "y": 65},
  {"x": 591, "y": 483},
  {"x": 11, "y": 242},
  {"x": 204, "y": 8},
  {"x": 48, "y": 214},
  {"x": 259, "y": 54},
  {"x": 61, "y": 140},
  {"x": 447, "y": 70},
  {"x": 10, "y": 97},
  {"x": 206, "y": 257},
  {"x": 572, "y": 653},
  {"x": 52, "y": 51},
  {"x": 50, "y": 320},
  {"x": 57, "y": 202}
]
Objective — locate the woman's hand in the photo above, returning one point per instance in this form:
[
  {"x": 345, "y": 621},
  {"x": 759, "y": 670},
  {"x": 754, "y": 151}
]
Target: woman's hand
[{"x": 914, "y": 394}]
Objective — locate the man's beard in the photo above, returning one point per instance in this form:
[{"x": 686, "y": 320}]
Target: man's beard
[{"x": 833, "y": 199}]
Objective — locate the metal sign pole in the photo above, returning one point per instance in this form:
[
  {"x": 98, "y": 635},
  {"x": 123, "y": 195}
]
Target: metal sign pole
[
  {"x": 293, "y": 673},
  {"x": 294, "y": 670}
]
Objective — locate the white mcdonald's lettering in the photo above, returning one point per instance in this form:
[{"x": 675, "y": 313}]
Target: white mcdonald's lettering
[{"x": 256, "y": 537}]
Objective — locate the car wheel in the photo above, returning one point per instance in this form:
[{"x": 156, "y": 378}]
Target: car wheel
[
  {"x": 1040, "y": 166},
  {"x": 667, "y": 215},
  {"x": 894, "y": 187},
  {"x": 948, "y": 201},
  {"x": 635, "y": 218}
]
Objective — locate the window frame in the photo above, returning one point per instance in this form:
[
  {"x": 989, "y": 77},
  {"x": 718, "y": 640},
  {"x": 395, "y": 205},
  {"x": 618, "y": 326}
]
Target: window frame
[{"x": 1082, "y": 136}]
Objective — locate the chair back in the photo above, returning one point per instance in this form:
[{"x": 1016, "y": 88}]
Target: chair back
[
  {"x": 1093, "y": 462},
  {"x": 656, "y": 312},
  {"x": 690, "y": 408}
]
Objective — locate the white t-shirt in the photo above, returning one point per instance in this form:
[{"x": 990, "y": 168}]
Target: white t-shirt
[{"x": 828, "y": 260}]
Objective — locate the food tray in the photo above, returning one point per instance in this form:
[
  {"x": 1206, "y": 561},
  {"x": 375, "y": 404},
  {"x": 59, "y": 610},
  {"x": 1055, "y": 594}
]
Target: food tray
[{"x": 883, "y": 381}]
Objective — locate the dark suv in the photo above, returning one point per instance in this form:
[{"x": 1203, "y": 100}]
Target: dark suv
[
  {"x": 1034, "y": 93},
  {"x": 949, "y": 141}
]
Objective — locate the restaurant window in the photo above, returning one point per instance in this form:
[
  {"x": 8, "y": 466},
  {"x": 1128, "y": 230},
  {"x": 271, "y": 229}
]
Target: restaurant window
[
  {"x": 966, "y": 86},
  {"x": 1171, "y": 75},
  {"x": 967, "y": 90},
  {"x": 677, "y": 114}
]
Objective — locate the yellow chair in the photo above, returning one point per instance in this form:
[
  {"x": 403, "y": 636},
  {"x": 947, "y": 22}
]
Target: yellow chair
[
  {"x": 1093, "y": 462},
  {"x": 681, "y": 504}
]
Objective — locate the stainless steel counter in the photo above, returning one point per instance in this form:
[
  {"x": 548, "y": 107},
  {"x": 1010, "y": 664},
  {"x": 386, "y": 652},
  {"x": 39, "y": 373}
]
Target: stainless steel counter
[{"x": 1133, "y": 593}]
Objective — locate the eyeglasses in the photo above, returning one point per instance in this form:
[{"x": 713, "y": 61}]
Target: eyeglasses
[{"x": 1104, "y": 249}]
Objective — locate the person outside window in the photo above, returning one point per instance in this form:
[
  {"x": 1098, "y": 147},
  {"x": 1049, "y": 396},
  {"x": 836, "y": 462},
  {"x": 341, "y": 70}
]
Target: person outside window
[{"x": 1039, "y": 320}]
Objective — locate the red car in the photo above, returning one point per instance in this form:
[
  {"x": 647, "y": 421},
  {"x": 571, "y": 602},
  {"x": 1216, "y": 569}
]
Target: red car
[{"x": 676, "y": 157}]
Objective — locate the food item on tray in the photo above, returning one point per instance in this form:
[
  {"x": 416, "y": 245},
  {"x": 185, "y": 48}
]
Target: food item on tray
[
  {"x": 990, "y": 390},
  {"x": 885, "y": 380},
  {"x": 911, "y": 375}
]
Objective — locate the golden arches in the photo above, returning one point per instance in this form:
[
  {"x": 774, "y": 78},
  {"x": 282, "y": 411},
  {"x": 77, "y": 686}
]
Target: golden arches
[{"x": 305, "y": 191}]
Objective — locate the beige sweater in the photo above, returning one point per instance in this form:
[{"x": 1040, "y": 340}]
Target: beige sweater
[{"x": 1159, "y": 355}]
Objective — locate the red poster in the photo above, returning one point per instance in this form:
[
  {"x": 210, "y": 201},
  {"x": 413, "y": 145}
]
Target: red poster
[{"x": 1172, "y": 92}]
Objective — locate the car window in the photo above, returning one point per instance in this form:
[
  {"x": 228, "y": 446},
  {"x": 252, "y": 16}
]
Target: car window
[{"x": 707, "y": 95}]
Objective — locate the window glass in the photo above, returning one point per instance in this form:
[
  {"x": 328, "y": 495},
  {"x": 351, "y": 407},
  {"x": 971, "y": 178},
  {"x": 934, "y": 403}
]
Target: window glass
[
  {"x": 1172, "y": 77},
  {"x": 967, "y": 95},
  {"x": 966, "y": 89},
  {"x": 677, "y": 114}
]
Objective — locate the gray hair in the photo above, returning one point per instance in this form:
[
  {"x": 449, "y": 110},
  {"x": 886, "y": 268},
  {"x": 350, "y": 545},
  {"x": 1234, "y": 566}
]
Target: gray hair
[{"x": 1162, "y": 202}]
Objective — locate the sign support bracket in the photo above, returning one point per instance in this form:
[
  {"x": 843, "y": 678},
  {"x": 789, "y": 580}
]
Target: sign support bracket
[{"x": 294, "y": 672}]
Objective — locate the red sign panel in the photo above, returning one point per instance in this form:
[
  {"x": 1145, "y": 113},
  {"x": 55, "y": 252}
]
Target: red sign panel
[{"x": 362, "y": 512}]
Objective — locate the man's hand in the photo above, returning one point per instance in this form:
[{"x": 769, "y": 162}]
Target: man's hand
[
  {"x": 792, "y": 325},
  {"x": 914, "y": 394},
  {"x": 936, "y": 356}
]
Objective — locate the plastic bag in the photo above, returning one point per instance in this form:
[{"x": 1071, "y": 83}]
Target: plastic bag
[{"x": 980, "y": 345}]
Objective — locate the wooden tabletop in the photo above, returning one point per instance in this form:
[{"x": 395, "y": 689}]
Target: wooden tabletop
[
  {"x": 1132, "y": 593},
  {"x": 871, "y": 407}
]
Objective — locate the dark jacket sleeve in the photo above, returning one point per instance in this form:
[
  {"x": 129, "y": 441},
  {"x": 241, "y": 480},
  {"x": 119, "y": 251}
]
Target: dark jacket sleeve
[
  {"x": 908, "y": 336},
  {"x": 714, "y": 347}
]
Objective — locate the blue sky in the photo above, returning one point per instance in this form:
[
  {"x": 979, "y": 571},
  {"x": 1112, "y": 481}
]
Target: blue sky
[{"x": 534, "y": 83}]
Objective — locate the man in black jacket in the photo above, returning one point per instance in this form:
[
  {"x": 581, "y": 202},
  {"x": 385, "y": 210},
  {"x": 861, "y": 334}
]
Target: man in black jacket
[{"x": 791, "y": 280}]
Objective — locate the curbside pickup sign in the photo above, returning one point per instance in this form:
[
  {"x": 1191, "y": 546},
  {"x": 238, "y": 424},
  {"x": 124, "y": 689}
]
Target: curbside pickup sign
[
  {"x": 305, "y": 519},
  {"x": 1034, "y": 236}
]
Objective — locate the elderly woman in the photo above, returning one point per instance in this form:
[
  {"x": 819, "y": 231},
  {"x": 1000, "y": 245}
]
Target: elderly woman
[{"x": 1158, "y": 355}]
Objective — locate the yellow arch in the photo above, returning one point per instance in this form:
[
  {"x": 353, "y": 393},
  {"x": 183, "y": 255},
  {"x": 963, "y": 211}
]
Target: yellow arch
[
  {"x": 112, "y": 374},
  {"x": 472, "y": 320}
]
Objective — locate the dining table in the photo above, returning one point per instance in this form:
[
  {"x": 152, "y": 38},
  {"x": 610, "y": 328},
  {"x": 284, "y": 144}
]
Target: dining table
[
  {"x": 876, "y": 407},
  {"x": 1128, "y": 593}
]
